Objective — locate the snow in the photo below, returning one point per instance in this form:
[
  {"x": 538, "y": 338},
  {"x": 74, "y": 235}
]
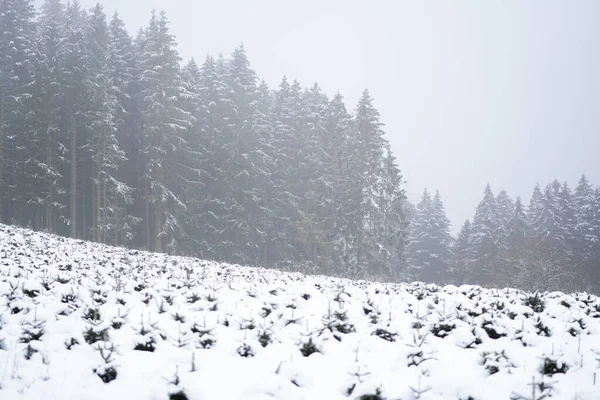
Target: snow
[{"x": 200, "y": 317}]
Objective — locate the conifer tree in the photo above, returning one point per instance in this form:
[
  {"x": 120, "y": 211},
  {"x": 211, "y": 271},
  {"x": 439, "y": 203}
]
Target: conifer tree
[
  {"x": 17, "y": 66},
  {"x": 506, "y": 207},
  {"x": 262, "y": 157},
  {"x": 535, "y": 206},
  {"x": 584, "y": 216},
  {"x": 486, "y": 231},
  {"x": 74, "y": 73},
  {"x": 567, "y": 215},
  {"x": 517, "y": 226},
  {"x": 110, "y": 196},
  {"x": 239, "y": 233},
  {"x": 127, "y": 121},
  {"x": 429, "y": 245},
  {"x": 47, "y": 140},
  {"x": 344, "y": 203},
  {"x": 548, "y": 224},
  {"x": 462, "y": 268},
  {"x": 370, "y": 145},
  {"x": 164, "y": 147},
  {"x": 392, "y": 232}
]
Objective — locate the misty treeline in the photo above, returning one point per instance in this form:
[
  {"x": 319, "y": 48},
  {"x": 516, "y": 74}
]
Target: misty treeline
[
  {"x": 110, "y": 138},
  {"x": 551, "y": 243}
]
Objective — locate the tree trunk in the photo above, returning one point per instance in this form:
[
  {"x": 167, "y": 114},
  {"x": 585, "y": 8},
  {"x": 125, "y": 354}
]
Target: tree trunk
[
  {"x": 104, "y": 200},
  {"x": 157, "y": 227},
  {"x": 73, "y": 184},
  {"x": 1, "y": 156},
  {"x": 84, "y": 198},
  {"x": 50, "y": 184},
  {"x": 94, "y": 207},
  {"x": 117, "y": 218},
  {"x": 147, "y": 196}
]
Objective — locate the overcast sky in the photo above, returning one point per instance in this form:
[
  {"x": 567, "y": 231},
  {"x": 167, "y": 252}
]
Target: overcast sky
[{"x": 505, "y": 92}]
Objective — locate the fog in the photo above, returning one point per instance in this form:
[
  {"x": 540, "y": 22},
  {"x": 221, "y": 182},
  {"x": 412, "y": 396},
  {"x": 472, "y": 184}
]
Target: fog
[{"x": 470, "y": 92}]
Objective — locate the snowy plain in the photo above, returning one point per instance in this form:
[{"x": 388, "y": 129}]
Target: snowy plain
[{"x": 80, "y": 320}]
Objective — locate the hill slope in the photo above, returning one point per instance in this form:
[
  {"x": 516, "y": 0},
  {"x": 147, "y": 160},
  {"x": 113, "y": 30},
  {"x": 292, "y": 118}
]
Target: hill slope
[{"x": 85, "y": 321}]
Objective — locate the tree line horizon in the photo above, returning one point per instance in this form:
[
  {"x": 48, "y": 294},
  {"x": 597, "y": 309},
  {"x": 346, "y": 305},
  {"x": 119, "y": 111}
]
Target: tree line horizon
[{"x": 110, "y": 138}]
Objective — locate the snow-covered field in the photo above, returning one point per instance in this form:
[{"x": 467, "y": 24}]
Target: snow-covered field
[{"x": 84, "y": 321}]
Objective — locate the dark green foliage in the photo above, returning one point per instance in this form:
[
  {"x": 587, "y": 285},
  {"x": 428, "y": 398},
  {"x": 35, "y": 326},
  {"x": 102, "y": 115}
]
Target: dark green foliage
[
  {"x": 68, "y": 298},
  {"x": 92, "y": 314},
  {"x": 245, "y": 351},
  {"x": 206, "y": 340},
  {"x": 32, "y": 331},
  {"x": 93, "y": 335},
  {"x": 179, "y": 318},
  {"x": 541, "y": 329},
  {"x": 147, "y": 345},
  {"x": 309, "y": 348},
  {"x": 70, "y": 343},
  {"x": 339, "y": 323},
  {"x": 535, "y": 302},
  {"x": 552, "y": 366},
  {"x": 249, "y": 325},
  {"x": 62, "y": 280},
  {"x": 491, "y": 331},
  {"x": 495, "y": 361},
  {"x": 417, "y": 325},
  {"x": 107, "y": 374},
  {"x": 31, "y": 293},
  {"x": 207, "y": 343},
  {"x": 180, "y": 395},
  {"x": 376, "y": 396},
  {"x": 350, "y": 390},
  {"x": 264, "y": 339},
  {"x": 385, "y": 335},
  {"x": 193, "y": 298},
  {"x": 265, "y": 312},
  {"x": 442, "y": 330},
  {"x": 29, "y": 352}
]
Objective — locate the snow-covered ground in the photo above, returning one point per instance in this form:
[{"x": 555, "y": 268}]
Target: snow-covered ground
[{"x": 76, "y": 314}]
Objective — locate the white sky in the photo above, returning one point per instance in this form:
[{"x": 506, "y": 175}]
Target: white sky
[{"x": 505, "y": 92}]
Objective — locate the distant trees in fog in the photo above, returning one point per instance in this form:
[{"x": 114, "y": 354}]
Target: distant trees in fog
[
  {"x": 554, "y": 243},
  {"x": 110, "y": 138}
]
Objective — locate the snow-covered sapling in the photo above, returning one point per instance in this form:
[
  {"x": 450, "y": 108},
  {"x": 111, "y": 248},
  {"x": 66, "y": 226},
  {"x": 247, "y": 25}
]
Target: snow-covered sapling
[
  {"x": 539, "y": 391},
  {"x": 95, "y": 331},
  {"x": 535, "y": 302},
  {"x": 420, "y": 389},
  {"x": 552, "y": 365},
  {"x": 107, "y": 371},
  {"x": 496, "y": 361},
  {"x": 245, "y": 350},
  {"x": 176, "y": 393}
]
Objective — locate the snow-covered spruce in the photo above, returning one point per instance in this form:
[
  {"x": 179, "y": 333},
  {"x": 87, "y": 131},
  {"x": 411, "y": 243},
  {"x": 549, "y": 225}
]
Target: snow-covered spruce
[{"x": 82, "y": 320}]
